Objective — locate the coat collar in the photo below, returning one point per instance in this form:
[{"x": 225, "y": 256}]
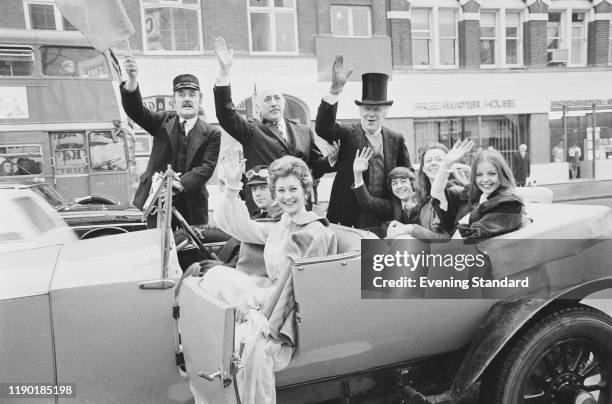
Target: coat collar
[{"x": 305, "y": 218}]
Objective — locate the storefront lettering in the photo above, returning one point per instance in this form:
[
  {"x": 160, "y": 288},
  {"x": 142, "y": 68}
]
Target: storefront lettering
[
  {"x": 463, "y": 105},
  {"x": 580, "y": 103}
]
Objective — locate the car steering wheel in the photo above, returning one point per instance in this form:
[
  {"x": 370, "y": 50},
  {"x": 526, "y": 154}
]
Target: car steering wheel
[{"x": 191, "y": 235}]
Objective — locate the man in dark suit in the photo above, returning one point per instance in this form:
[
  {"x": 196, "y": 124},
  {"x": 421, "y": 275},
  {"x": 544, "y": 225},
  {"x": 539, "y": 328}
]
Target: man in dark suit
[
  {"x": 520, "y": 166},
  {"x": 180, "y": 139},
  {"x": 389, "y": 147},
  {"x": 270, "y": 138}
]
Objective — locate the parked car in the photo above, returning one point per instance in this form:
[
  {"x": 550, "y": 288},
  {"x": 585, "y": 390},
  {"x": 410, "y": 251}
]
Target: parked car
[
  {"x": 89, "y": 216},
  {"x": 102, "y": 313}
]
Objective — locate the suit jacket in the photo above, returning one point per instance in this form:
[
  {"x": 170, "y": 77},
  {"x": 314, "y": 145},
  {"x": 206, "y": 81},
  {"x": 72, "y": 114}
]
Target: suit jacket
[
  {"x": 521, "y": 168},
  {"x": 343, "y": 205},
  {"x": 201, "y": 159},
  {"x": 261, "y": 146}
]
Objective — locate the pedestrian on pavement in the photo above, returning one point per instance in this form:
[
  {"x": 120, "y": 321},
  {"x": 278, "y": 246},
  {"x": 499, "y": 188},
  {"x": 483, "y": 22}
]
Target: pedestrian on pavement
[
  {"x": 270, "y": 138},
  {"x": 188, "y": 144},
  {"x": 574, "y": 153},
  {"x": 389, "y": 147},
  {"x": 558, "y": 152},
  {"x": 521, "y": 166}
]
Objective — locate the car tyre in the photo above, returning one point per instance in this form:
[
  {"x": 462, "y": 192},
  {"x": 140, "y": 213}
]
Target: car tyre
[{"x": 563, "y": 358}]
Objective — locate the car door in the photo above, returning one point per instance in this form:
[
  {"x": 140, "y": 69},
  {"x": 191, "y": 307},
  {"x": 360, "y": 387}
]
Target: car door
[
  {"x": 206, "y": 326},
  {"x": 339, "y": 332},
  {"x": 113, "y": 337}
]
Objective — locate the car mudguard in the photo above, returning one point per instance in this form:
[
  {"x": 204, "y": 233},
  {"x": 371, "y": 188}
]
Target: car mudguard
[{"x": 505, "y": 319}]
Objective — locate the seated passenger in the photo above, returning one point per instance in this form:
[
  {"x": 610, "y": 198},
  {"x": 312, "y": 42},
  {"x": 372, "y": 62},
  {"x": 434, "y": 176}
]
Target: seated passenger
[
  {"x": 401, "y": 180},
  {"x": 426, "y": 221},
  {"x": 266, "y": 302},
  {"x": 488, "y": 206},
  {"x": 248, "y": 257}
]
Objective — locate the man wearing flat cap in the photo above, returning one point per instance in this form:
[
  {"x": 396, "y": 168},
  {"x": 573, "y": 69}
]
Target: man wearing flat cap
[
  {"x": 180, "y": 139},
  {"x": 388, "y": 147}
]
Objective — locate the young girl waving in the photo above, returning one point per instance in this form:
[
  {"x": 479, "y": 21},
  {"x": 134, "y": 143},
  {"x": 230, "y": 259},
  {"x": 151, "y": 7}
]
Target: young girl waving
[{"x": 488, "y": 206}]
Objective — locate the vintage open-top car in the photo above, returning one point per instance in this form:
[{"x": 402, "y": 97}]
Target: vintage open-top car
[{"x": 112, "y": 316}]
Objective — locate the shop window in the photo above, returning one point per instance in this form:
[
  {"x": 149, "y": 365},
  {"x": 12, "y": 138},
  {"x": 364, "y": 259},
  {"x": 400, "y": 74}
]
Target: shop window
[
  {"x": 501, "y": 132},
  {"x": 351, "y": 21},
  {"x": 107, "y": 151},
  {"x": 434, "y": 37},
  {"x": 172, "y": 26},
  {"x": 73, "y": 62},
  {"x": 16, "y": 61},
  {"x": 43, "y": 14},
  {"x": 20, "y": 160},
  {"x": 273, "y": 26},
  {"x": 566, "y": 37}
]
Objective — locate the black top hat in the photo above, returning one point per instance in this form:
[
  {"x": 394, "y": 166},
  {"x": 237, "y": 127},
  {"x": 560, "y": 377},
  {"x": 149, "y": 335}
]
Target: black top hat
[
  {"x": 186, "y": 81},
  {"x": 374, "y": 90}
]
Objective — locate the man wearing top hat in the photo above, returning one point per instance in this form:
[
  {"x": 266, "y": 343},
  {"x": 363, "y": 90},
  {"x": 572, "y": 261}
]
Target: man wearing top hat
[
  {"x": 180, "y": 139},
  {"x": 270, "y": 138},
  {"x": 388, "y": 146}
]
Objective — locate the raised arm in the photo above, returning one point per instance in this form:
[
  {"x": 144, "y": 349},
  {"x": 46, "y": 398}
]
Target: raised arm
[
  {"x": 454, "y": 155},
  {"x": 231, "y": 214},
  {"x": 132, "y": 100},
  {"x": 326, "y": 125},
  {"x": 229, "y": 119},
  {"x": 381, "y": 206}
]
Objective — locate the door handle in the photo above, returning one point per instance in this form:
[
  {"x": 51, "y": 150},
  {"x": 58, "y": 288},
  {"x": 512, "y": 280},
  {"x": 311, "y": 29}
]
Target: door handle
[{"x": 218, "y": 374}]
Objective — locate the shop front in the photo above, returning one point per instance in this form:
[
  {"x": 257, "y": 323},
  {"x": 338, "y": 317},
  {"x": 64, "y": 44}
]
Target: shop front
[{"x": 581, "y": 132}]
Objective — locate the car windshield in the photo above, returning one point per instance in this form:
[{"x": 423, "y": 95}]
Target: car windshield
[{"x": 50, "y": 195}]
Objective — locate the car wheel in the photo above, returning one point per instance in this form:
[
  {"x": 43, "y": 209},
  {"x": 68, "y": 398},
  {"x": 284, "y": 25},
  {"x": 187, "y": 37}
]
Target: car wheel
[{"x": 565, "y": 357}]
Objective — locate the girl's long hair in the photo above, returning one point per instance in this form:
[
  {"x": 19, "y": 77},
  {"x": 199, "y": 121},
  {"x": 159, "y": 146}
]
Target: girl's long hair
[
  {"x": 506, "y": 179},
  {"x": 423, "y": 185}
]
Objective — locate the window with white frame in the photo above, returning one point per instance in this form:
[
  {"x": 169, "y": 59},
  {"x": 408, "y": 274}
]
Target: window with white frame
[
  {"x": 273, "y": 26},
  {"x": 434, "y": 37},
  {"x": 351, "y": 21},
  {"x": 488, "y": 37},
  {"x": 43, "y": 14},
  {"x": 447, "y": 34},
  {"x": 566, "y": 37},
  {"x": 421, "y": 37},
  {"x": 172, "y": 26},
  {"x": 579, "y": 39},
  {"x": 513, "y": 37}
]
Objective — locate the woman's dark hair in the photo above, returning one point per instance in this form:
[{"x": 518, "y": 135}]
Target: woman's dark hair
[
  {"x": 506, "y": 179},
  {"x": 286, "y": 166},
  {"x": 423, "y": 185}
]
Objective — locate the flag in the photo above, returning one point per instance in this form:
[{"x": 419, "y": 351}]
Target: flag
[{"x": 104, "y": 23}]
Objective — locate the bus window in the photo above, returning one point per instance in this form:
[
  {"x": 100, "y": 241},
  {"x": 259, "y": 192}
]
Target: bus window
[
  {"x": 74, "y": 62},
  {"x": 106, "y": 153},
  {"x": 69, "y": 153},
  {"x": 16, "y": 61},
  {"x": 20, "y": 160}
]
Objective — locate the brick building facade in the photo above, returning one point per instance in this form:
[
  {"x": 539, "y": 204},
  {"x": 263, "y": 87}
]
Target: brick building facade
[{"x": 503, "y": 72}]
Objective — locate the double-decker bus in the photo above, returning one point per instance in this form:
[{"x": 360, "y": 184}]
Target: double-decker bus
[{"x": 61, "y": 119}]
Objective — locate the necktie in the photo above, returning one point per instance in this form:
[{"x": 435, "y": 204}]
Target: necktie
[{"x": 182, "y": 127}]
